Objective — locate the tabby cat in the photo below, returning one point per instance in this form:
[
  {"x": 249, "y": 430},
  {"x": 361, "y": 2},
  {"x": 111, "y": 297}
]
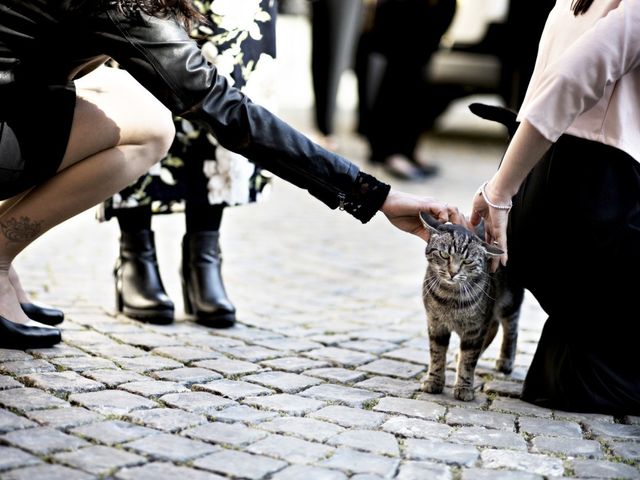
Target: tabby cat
[{"x": 460, "y": 294}]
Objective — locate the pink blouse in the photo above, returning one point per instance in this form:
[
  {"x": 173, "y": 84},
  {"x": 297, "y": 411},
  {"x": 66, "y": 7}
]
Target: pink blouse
[{"x": 586, "y": 80}]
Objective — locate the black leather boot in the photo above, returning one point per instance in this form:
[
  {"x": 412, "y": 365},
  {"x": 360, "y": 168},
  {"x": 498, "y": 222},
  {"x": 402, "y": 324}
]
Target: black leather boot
[
  {"x": 202, "y": 286},
  {"x": 23, "y": 337},
  {"x": 139, "y": 290}
]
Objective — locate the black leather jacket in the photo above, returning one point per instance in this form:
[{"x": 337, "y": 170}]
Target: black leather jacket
[{"x": 46, "y": 42}]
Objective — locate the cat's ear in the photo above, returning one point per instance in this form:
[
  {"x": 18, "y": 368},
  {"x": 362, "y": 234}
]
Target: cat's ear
[
  {"x": 430, "y": 223},
  {"x": 492, "y": 250}
]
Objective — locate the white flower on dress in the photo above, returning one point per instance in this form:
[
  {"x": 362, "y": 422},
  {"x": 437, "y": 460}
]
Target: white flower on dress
[
  {"x": 241, "y": 15},
  {"x": 261, "y": 81},
  {"x": 228, "y": 175}
]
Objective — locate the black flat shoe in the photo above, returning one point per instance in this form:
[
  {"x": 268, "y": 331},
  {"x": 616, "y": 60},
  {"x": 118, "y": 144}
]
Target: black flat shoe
[
  {"x": 43, "y": 313},
  {"x": 24, "y": 337}
]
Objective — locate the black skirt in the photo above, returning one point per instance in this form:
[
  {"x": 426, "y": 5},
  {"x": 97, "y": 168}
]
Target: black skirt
[
  {"x": 35, "y": 123},
  {"x": 574, "y": 242}
]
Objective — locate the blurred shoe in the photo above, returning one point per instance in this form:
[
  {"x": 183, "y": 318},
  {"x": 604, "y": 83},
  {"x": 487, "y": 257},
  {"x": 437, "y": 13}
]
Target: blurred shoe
[{"x": 406, "y": 169}]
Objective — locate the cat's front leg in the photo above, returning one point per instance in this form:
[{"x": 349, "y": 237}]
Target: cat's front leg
[
  {"x": 470, "y": 350},
  {"x": 438, "y": 344}
]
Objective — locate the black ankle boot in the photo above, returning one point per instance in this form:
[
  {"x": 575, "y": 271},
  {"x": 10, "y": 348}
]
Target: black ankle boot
[
  {"x": 202, "y": 286},
  {"x": 139, "y": 290}
]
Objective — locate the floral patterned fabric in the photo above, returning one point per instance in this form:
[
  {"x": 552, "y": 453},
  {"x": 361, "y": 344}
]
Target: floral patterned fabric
[{"x": 241, "y": 44}]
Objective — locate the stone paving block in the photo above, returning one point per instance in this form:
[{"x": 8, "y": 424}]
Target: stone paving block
[
  {"x": 62, "y": 383},
  {"x": 186, "y": 354},
  {"x": 81, "y": 364},
  {"x": 153, "y": 388},
  {"x": 614, "y": 431},
  {"x": 484, "y": 437},
  {"x": 147, "y": 340},
  {"x": 111, "y": 402},
  {"x": 626, "y": 450},
  {"x": 241, "y": 332},
  {"x": 166, "y": 419},
  {"x": 503, "y": 387},
  {"x": 251, "y": 353},
  {"x": 213, "y": 342},
  {"x": 42, "y": 440},
  {"x": 416, "y": 428},
  {"x": 7, "y": 382},
  {"x": 60, "y": 350},
  {"x": 436, "y": 450},
  {"x": 423, "y": 470},
  {"x": 353, "y": 397},
  {"x": 574, "y": 448},
  {"x": 282, "y": 381},
  {"x": 414, "y": 355},
  {"x": 9, "y": 421},
  {"x": 10, "y": 355},
  {"x": 367, "y": 440},
  {"x": 339, "y": 375},
  {"x": 385, "y": 335},
  {"x": 164, "y": 471},
  {"x": 233, "y": 434},
  {"x": 240, "y": 464},
  {"x": 340, "y": 357},
  {"x": 291, "y": 449},
  {"x": 285, "y": 403},
  {"x": 289, "y": 344},
  {"x": 112, "y": 378},
  {"x": 629, "y": 419},
  {"x": 187, "y": 375},
  {"x": 296, "y": 472},
  {"x": 84, "y": 338},
  {"x": 243, "y": 413},
  {"x": 11, "y": 458},
  {"x": 23, "y": 367},
  {"x": 375, "y": 347},
  {"x": 64, "y": 417},
  {"x": 117, "y": 350},
  {"x": 514, "y": 405},
  {"x": 390, "y": 386},
  {"x": 366, "y": 476},
  {"x": 481, "y": 474},
  {"x": 350, "y": 417},
  {"x": 330, "y": 339},
  {"x": 173, "y": 448},
  {"x": 549, "y": 428},
  {"x": 410, "y": 408},
  {"x": 306, "y": 428},
  {"x": 47, "y": 472},
  {"x": 585, "y": 418},
  {"x": 197, "y": 402},
  {"x": 293, "y": 364},
  {"x": 229, "y": 367},
  {"x": 500, "y": 421},
  {"x": 528, "y": 462},
  {"x": 393, "y": 368},
  {"x": 26, "y": 399},
  {"x": 233, "y": 389},
  {"x": 147, "y": 363},
  {"x": 352, "y": 461},
  {"x": 603, "y": 469},
  {"x": 99, "y": 460},
  {"x": 446, "y": 398},
  {"x": 113, "y": 432}
]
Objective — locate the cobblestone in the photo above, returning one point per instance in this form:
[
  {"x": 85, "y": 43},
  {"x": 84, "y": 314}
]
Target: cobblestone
[{"x": 323, "y": 366}]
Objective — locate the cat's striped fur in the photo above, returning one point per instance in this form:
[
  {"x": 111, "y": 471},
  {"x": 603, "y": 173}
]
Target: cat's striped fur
[{"x": 461, "y": 295}]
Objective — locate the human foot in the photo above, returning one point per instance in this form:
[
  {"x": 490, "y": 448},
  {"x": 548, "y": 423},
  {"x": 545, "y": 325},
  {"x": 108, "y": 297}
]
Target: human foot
[
  {"x": 10, "y": 307},
  {"x": 402, "y": 168}
]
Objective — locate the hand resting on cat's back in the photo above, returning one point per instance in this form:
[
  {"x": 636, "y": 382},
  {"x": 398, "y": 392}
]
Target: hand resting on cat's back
[{"x": 461, "y": 295}]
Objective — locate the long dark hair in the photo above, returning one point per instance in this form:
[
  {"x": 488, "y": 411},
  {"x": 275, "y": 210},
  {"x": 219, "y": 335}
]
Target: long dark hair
[{"x": 580, "y": 6}]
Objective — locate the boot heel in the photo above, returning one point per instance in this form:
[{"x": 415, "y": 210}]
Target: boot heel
[
  {"x": 119, "y": 302},
  {"x": 188, "y": 306}
]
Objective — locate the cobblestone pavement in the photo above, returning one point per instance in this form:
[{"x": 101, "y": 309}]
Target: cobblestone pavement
[{"x": 319, "y": 380}]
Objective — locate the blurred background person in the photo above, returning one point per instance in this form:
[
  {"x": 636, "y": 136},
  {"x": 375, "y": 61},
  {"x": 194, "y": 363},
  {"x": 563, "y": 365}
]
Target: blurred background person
[{"x": 199, "y": 177}]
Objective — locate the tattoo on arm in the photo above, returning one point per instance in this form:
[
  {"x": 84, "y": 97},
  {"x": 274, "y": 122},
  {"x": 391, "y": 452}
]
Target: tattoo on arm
[{"x": 20, "y": 230}]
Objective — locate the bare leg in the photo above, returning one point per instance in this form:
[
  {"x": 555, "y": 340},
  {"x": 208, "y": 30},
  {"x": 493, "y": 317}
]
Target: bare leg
[{"x": 119, "y": 130}]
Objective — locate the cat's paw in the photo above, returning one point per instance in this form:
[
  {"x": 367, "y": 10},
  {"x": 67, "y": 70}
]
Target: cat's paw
[
  {"x": 466, "y": 394},
  {"x": 504, "y": 365},
  {"x": 432, "y": 386}
]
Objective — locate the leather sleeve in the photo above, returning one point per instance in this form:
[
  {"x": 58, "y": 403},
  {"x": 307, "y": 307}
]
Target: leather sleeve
[{"x": 164, "y": 59}]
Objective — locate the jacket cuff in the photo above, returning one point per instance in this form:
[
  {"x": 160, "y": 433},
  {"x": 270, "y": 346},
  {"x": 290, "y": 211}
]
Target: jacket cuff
[{"x": 366, "y": 197}]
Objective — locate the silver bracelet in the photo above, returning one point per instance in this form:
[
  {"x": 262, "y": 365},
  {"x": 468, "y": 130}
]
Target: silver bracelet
[{"x": 493, "y": 205}]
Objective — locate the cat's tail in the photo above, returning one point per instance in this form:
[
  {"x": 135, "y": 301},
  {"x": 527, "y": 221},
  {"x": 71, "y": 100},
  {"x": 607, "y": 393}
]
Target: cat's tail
[{"x": 505, "y": 116}]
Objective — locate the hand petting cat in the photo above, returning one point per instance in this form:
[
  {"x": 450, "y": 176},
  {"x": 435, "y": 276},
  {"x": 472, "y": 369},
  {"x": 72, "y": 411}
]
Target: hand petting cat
[{"x": 403, "y": 211}]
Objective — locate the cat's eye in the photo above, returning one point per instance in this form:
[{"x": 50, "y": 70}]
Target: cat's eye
[
  {"x": 444, "y": 254},
  {"x": 467, "y": 262}
]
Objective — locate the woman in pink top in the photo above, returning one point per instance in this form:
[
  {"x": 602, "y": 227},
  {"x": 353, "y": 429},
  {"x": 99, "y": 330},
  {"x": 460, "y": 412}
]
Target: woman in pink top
[{"x": 566, "y": 203}]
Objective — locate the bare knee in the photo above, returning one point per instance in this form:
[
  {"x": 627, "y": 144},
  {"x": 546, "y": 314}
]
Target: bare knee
[{"x": 159, "y": 136}]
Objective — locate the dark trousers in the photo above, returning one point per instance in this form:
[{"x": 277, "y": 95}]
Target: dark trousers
[
  {"x": 574, "y": 242},
  {"x": 334, "y": 28}
]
